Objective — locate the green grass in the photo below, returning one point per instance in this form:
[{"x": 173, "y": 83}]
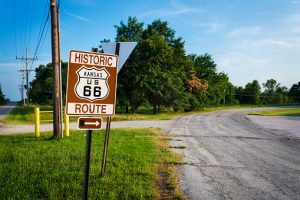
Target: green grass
[
  {"x": 24, "y": 115},
  {"x": 279, "y": 112},
  {"x": 41, "y": 168}
]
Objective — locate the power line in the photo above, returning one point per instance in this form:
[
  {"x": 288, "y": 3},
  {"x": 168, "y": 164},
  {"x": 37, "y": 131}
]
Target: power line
[
  {"x": 26, "y": 19},
  {"x": 41, "y": 34},
  {"x": 30, "y": 22},
  {"x": 15, "y": 26},
  {"x": 27, "y": 72}
]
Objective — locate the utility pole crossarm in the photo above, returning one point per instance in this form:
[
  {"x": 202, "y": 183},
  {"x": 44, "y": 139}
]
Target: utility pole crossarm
[{"x": 26, "y": 70}]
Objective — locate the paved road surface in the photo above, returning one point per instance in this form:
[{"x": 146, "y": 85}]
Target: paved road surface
[
  {"x": 5, "y": 110},
  {"x": 229, "y": 157}
]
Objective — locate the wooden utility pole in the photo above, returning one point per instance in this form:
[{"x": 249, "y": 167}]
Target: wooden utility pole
[
  {"x": 57, "y": 130},
  {"x": 26, "y": 70}
]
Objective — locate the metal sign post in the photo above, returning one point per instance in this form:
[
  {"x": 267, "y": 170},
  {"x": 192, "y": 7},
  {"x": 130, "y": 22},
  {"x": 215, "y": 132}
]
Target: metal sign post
[
  {"x": 106, "y": 140},
  {"x": 91, "y": 91},
  {"x": 87, "y": 164}
]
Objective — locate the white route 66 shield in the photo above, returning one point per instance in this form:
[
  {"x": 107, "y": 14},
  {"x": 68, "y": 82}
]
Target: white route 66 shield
[{"x": 92, "y": 83}]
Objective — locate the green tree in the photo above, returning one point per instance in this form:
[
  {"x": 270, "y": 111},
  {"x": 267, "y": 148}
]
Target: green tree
[
  {"x": 252, "y": 93},
  {"x": 274, "y": 93},
  {"x": 269, "y": 94},
  {"x": 42, "y": 86},
  {"x": 205, "y": 68},
  {"x": 3, "y": 100},
  {"x": 240, "y": 95},
  {"x": 230, "y": 94},
  {"x": 271, "y": 86},
  {"x": 130, "y": 91},
  {"x": 282, "y": 95},
  {"x": 163, "y": 58},
  {"x": 294, "y": 93}
]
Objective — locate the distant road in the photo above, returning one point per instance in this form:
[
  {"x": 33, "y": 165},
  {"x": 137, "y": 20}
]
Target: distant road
[
  {"x": 227, "y": 156},
  {"x": 4, "y": 110}
]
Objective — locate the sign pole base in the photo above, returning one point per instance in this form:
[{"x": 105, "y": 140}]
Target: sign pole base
[
  {"x": 87, "y": 164},
  {"x": 106, "y": 140}
]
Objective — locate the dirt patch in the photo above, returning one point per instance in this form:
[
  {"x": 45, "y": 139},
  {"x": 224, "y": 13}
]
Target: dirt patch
[{"x": 167, "y": 183}]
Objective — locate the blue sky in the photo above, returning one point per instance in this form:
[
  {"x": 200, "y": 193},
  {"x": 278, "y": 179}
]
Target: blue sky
[{"x": 248, "y": 39}]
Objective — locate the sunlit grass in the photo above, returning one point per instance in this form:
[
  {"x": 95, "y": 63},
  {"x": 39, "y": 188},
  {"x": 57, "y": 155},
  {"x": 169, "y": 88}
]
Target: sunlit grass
[
  {"x": 41, "y": 168},
  {"x": 24, "y": 115},
  {"x": 279, "y": 112}
]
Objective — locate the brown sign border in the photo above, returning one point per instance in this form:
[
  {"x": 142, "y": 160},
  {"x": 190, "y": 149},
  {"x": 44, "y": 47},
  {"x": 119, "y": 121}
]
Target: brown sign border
[{"x": 82, "y": 101}]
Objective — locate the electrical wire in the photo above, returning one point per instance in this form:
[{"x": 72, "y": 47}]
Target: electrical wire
[
  {"x": 21, "y": 25},
  {"x": 15, "y": 26},
  {"x": 26, "y": 19},
  {"x": 41, "y": 34},
  {"x": 48, "y": 26},
  {"x": 30, "y": 22}
]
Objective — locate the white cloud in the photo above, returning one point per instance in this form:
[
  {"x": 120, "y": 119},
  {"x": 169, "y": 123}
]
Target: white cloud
[
  {"x": 174, "y": 10},
  {"x": 211, "y": 27},
  {"x": 272, "y": 42},
  {"x": 239, "y": 59},
  {"x": 79, "y": 17},
  {"x": 259, "y": 44},
  {"x": 242, "y": 31}
]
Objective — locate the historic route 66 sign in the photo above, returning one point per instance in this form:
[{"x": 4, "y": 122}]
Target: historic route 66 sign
[{"x": 91, "y": 85}]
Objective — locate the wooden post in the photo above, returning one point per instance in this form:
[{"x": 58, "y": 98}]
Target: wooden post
[{"x": 57, "y": 132}]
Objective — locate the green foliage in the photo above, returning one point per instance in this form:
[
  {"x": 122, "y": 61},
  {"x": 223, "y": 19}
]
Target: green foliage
[
  {"x": 3, "y": 100},
  {"x": 40, "y": 168},
  {"x": 250, "y": 94},
  {"x": 25, "y": 115},
  {"x": 42, "y": 86},
  {"x": 158, "y": 73},
  {"x": 294, "y": 93},
  {"x": 274, "y": 93}
]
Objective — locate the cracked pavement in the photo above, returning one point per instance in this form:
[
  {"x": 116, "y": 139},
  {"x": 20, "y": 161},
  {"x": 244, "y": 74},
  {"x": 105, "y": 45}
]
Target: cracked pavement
[{"x": 227, "y": 156}]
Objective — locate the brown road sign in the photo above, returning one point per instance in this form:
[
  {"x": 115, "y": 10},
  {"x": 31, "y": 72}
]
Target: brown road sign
[
  {"x": 92, "y": 83},
  {"x": 89, "y": 123}
]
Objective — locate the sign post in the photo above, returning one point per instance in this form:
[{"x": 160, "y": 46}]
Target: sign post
[
  {"x": 107, "y": 131},
  {"x": 91, "y": 91},
  {"x": 87, "y": 164}
]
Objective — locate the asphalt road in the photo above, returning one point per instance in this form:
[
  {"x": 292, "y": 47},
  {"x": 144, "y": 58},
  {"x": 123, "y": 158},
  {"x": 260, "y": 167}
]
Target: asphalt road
[
  {"x": 227, "y": 156},
  {"x": 5, "y": 110}
]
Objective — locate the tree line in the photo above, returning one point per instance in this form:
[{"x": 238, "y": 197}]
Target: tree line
[
  {"x": 160, "y": 74},
  {"x": 3, "y": 100}
]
